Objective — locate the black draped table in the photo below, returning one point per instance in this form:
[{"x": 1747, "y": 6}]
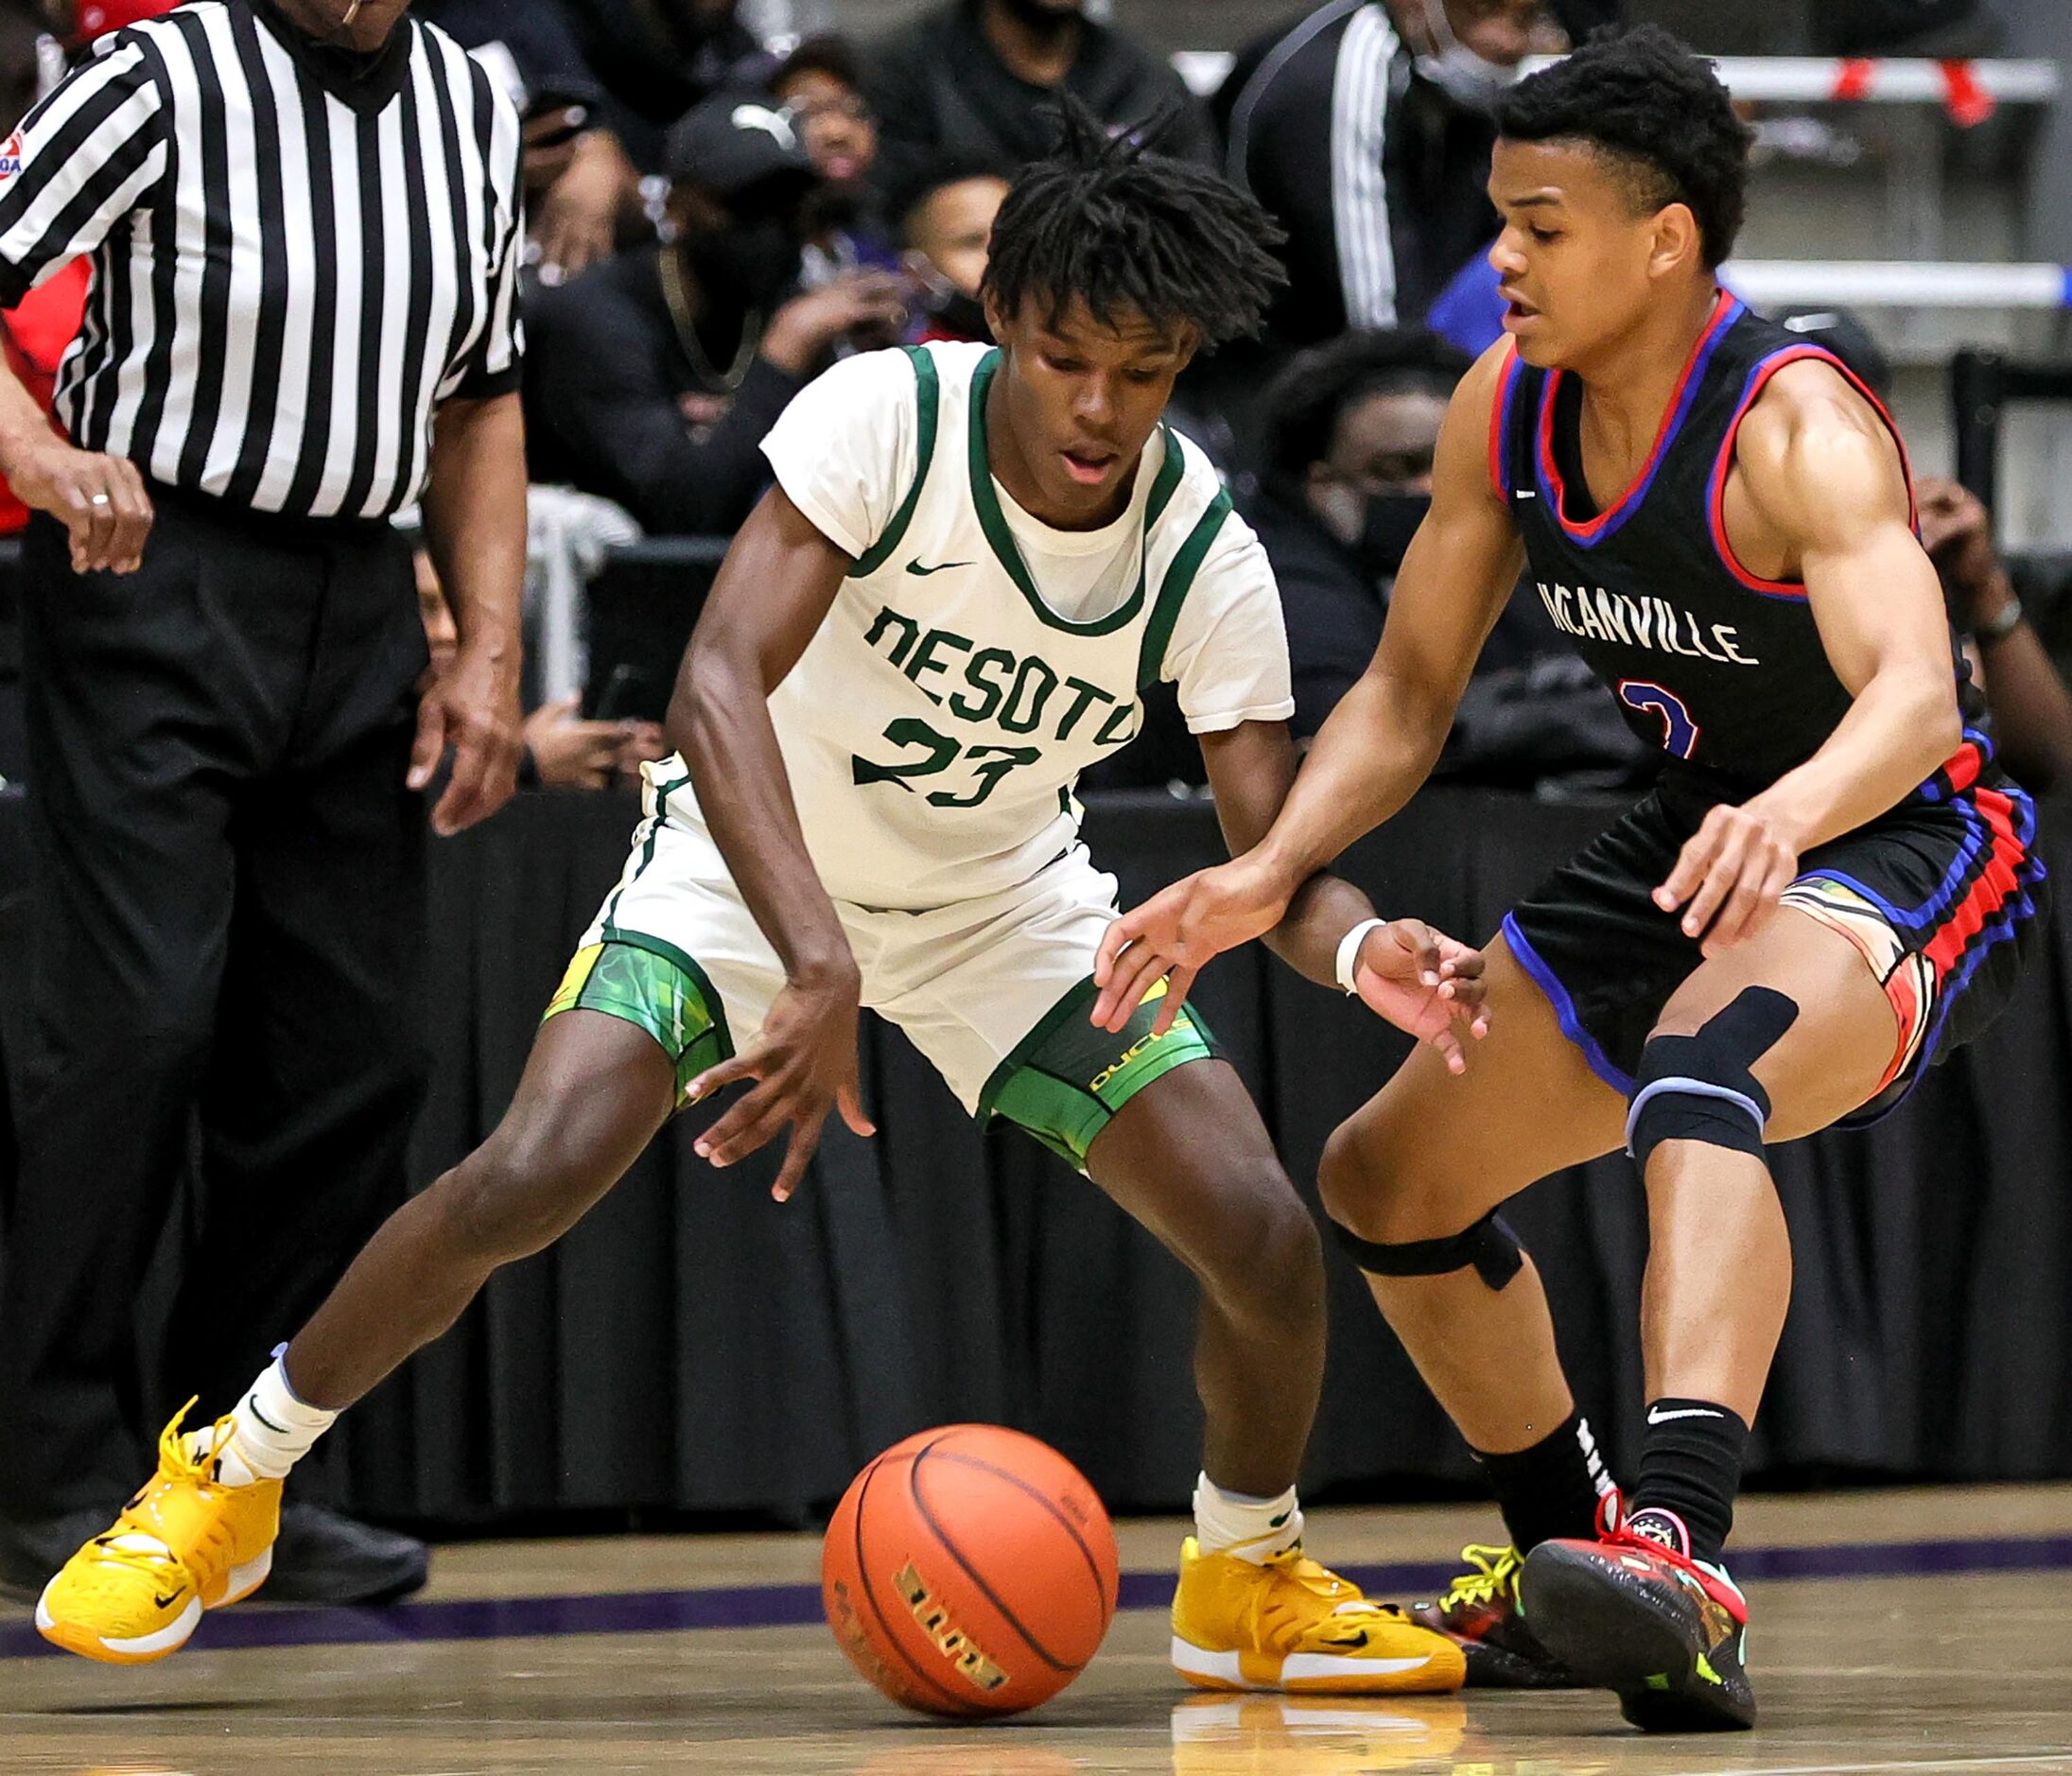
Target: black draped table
[{"x": 694, "y": 1347}]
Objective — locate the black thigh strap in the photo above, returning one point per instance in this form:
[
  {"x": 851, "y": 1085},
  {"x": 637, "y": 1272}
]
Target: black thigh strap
[{"x": 1490, "y": 1246}]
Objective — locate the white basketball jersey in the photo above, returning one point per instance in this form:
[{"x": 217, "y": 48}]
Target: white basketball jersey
[{"x": 934, "y": 727}]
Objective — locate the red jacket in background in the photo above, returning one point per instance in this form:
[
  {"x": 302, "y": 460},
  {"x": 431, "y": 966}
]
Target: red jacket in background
[{"x": 35, "y": 337}]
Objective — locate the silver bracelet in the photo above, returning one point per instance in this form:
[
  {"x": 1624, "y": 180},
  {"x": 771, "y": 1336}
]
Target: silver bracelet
[
  {"x": 2001, "y": 626},
  {"x": 1348, "y": 951}
]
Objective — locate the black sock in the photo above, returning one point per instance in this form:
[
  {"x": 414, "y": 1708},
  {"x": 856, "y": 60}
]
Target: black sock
[
  {"x": 1691, "y": 1464},
  {"x": 1549, "y": 1490}
]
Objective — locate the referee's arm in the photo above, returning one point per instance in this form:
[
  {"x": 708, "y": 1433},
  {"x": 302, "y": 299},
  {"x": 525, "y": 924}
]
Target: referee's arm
[
  {"x": 474, "y": 528},
  {"x": 88, "y": 155}
]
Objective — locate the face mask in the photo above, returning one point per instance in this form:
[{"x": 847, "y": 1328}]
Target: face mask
[
  {"x": 747, "y": 267},
  {"x": 1463, "y": 75},
  {"x": 960, "y": 315},
  {"x": 1392, "y": 521}
]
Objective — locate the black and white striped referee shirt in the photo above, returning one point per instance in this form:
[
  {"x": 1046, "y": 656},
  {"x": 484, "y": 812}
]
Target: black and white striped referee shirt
[{"x": 293, "y": 265}]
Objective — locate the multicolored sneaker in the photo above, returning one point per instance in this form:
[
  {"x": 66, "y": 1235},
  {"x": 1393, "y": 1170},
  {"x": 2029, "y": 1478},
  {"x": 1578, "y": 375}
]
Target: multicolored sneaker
[
  {"x": 1634, "y": 1613},
  {"x": 1480, "y": 1611},
  {"x": 188, "y": 1543},
  {"x": 1289, "y": 1624}
]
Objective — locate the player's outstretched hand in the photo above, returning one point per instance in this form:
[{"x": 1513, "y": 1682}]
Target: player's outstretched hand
[
  {"x": 1426, "y": 984},
  {"x": 1175, "y": 935},
  {"x": 1728, "y": 876},
  {"x": 803, "y": 1065}
]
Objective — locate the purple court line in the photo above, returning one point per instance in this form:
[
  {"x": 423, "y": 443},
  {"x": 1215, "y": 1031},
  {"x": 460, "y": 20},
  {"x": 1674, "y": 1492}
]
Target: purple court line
[{"x": 793, "y": 1606}]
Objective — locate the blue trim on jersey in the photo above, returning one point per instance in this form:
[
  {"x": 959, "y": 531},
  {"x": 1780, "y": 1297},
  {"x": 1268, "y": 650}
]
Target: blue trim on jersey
[
  {"x": 1608, "y": 524},
  {"x": 1564, "y": 1008}
]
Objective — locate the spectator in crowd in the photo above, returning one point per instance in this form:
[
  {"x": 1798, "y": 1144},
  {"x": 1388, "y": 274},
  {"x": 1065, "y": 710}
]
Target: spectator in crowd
[
  {"x": 972, "y": 79},
  {"x": 947, "y": 226},
  {"x": 1350, "y": 432},
  {"x": 2030, "y": 706},
  {"x": 820, "y": 86},
  {"x": 562, "y": 750},
  {"x": 599, "y": 83},
  {"x": 1365, "y": 130},
  {"x": 655, "y": 376}
]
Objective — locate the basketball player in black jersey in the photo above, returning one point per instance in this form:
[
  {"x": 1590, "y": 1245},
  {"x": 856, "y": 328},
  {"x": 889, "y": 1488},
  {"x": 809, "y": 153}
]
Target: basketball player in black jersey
[{"x": 1831, "y": 885}]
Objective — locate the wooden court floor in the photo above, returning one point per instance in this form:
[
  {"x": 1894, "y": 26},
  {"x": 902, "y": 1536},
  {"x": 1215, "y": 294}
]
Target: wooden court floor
[{"x": 1917, "y": 1631}]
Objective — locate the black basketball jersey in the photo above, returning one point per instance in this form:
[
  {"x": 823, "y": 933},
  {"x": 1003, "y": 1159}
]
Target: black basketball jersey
[{"x": 1723, "y": 669}]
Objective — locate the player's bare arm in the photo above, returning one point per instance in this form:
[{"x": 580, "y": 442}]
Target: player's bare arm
[
  {"x": 1382, "y": 741},
  {"x": 1420, "y": 980},
  {"x": 1819, "y": 494},
  {"x": 774, "y": 590}
]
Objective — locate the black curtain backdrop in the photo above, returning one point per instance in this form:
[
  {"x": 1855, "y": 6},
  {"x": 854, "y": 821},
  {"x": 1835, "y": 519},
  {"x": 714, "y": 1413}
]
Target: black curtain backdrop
[{"x": 694, "y": 1347}]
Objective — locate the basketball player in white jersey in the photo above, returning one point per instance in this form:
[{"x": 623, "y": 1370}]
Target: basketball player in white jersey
[{"x": 973, "y": 561}]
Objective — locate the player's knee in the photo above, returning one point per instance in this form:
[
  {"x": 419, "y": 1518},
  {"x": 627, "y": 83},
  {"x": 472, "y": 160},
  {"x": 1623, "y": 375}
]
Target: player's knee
[
  {"x": 1262, "y": 1249},
  {"x": 1362, "y": 1191},
  {"x": 505, "y": 1203},
  {"x": 1702, "y": 1086}
]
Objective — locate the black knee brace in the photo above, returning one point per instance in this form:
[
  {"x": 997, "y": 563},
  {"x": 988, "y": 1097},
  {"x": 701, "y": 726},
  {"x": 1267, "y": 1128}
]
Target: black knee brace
[
  {"x": 1700, "y": 1088},
  {"x": 1490, "y": 1246}
]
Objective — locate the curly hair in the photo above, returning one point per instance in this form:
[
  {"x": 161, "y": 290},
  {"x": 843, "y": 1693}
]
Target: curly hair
[
  {"x": 1303, "y": 404},
  {"x": 1110, "y": 223},
  {"x": 1645, "y": 100}
]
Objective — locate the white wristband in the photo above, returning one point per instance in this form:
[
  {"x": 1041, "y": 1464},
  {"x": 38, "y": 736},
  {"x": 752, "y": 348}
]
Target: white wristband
[{"x": 1348, "y": 951}]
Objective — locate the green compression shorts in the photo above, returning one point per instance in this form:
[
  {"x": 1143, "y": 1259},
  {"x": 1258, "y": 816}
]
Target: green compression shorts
[{"x": 1063, "y": 1084}]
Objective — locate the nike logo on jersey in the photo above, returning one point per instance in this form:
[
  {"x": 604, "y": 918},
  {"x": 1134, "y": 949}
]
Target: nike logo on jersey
[
  {"x": 920, "y": 572},
  {"x": 1656, "y": 1415},
  {"x": 1592, "y": 613}
]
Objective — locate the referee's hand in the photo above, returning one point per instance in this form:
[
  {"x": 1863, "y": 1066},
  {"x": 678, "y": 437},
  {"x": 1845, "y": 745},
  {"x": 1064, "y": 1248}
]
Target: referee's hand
[
  {"x": 99, "y": 500},
  {"x": 473, "y": 708}
]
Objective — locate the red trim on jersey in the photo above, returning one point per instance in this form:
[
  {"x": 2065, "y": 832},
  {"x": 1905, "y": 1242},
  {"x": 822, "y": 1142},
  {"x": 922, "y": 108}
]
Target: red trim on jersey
[
  {"x": 1716, "y": 503},
  {"x": 1963, "y": 767},
  {"x": 1725, "y": 309},
  {"x": 1500, "y": 414},
  {"x": 1998, "y": 882}
]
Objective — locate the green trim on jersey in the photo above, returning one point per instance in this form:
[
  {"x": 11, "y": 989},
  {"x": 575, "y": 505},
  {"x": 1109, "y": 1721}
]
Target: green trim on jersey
[
  {"x": 1066, "y": 1079},
  {"x": 652, "y": 984},
  {"x": 653, "y": 831},
  {"x": 928, "y": 391},
  {"x": 993, "y": 521},
  {"x": 1179, "y": 581}
]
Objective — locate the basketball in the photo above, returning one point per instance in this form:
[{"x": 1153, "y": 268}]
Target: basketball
[{"x": 970, "y": 1572}]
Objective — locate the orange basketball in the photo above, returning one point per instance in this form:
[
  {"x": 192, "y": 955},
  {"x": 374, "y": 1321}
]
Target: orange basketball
[{"x": 969, "y": 1571}]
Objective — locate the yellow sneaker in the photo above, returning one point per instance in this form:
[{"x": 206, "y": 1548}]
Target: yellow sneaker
[
  {"x": 186, "y": 1543},
  {"x": 1295, "y": 1626}
]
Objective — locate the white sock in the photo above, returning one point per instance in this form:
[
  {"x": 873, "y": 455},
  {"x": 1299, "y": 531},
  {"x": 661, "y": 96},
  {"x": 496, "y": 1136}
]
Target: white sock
[
  {"x": 1253, "y": 1530},
  {"x": 274, "y": 1429}
]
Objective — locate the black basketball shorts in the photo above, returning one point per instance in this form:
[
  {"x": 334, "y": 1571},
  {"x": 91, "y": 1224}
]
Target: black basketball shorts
[{"x": 1943, "y": 897}]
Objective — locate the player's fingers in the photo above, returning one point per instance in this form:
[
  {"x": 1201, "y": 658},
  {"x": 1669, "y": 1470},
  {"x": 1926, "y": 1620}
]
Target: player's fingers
[
  {"x": 1459, "y": 961},
  {"x": 1467, "y": 997},
  {"x": 1692, "y": 862},
  {"x": 849, "y": 1101},
  {"x": 1713, "y": 892},
  {"x": 798, "y": 1154},
  {"x": 431, "y": 743},
  {"x": 1420, "y": 943},
  {"x": 746, "y": 1065},
  {"x": 1178, "y": 984},
  {"x": 1138, "y": 975},
  {"x": 133, "y": 514},
  {"x": 1122, "y": 933},
  {"x": 1448, "y": 1044},
  {"x": 752, "y": 1123}
]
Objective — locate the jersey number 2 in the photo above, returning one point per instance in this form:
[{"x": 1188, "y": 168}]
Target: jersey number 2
[
  {"x": 1679, "y": 732},
  {"x": 992, "y": 763}
]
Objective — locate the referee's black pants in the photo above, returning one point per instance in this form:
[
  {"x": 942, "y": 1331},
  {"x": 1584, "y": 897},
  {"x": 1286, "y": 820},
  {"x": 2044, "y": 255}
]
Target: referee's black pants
[{"x": 227, "y": 917}]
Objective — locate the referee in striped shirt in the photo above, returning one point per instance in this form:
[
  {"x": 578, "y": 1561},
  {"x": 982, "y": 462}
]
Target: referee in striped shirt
[{"x": 304, "y": 224}]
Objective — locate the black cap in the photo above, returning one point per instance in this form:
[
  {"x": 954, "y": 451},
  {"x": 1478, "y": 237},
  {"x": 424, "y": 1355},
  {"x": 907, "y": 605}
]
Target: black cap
[{"x": 732, "y": 142}]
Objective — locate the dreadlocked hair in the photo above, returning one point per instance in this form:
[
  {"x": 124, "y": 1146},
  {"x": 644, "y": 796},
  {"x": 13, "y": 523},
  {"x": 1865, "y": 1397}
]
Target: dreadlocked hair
[{"x": 1107, "y": 221}]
